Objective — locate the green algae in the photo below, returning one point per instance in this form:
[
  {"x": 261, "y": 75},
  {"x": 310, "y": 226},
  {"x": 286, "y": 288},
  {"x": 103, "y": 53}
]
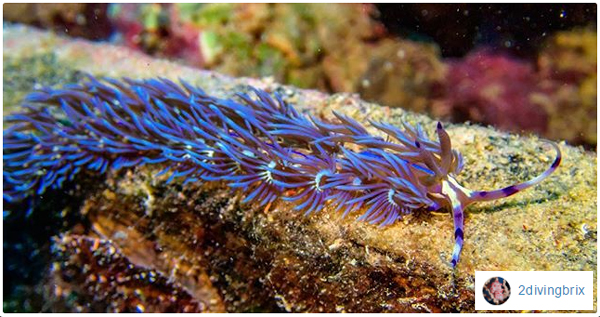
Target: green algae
[{"x": 22, "y": 73}]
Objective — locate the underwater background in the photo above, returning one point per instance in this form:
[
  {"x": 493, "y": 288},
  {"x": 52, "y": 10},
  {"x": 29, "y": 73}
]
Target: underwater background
[
  {"x": 525, "y": 69},
  {"x": 519, "y": 67}
]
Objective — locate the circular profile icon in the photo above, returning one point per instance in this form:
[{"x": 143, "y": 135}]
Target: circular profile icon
[{"x": 496, "y": 291}]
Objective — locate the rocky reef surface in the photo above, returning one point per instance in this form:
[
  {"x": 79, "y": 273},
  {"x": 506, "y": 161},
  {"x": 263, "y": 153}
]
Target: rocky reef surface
[{"x": 130, "y": 242}]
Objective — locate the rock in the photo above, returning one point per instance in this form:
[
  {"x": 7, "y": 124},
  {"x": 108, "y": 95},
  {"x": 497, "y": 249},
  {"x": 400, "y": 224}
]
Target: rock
[
  {"x": 92, "y": 275},
  {"x": 221, "y": 255}
]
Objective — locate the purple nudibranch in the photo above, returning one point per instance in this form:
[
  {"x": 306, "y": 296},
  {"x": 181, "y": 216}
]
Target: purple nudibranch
[{"x": 260, "y": 145}]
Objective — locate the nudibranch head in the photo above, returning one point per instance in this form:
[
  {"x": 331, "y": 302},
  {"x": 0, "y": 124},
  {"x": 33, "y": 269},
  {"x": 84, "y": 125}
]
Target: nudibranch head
[{"x": 456, "y": 197}]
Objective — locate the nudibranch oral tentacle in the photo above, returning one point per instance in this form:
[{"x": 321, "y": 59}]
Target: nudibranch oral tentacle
[
  {"x": 260, "y": 145},
  {"x": 511, "y": 190},
  {"x": 460, "y": 197}
]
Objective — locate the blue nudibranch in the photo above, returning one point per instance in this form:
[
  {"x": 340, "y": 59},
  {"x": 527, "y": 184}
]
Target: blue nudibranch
[{"x": 260, "y": 145}]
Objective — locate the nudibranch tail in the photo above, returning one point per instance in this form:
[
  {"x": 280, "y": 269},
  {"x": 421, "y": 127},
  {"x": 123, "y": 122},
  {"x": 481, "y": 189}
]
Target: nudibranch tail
[{"x": 460, "y": 197}]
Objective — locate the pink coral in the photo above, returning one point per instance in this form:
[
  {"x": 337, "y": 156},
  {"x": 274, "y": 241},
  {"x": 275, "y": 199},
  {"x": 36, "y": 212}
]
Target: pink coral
[{"x": 493, "y": 89}]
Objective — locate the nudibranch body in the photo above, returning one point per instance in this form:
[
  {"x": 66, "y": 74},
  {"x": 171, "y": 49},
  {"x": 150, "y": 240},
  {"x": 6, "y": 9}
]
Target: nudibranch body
[{"x": 260, "y": 145}]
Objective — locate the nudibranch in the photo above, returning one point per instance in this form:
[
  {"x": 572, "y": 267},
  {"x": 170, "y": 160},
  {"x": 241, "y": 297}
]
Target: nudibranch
[{"x": 254, "y": 142}]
